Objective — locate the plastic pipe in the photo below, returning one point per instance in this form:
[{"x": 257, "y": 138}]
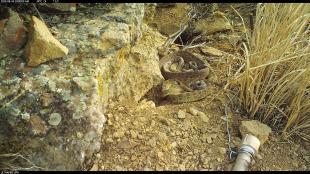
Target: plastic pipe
[{"x": 247, "y": 151}]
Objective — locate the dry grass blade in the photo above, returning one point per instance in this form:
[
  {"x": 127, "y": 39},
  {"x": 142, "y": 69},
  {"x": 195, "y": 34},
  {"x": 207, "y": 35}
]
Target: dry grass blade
[{"x": 275, "y": 78}]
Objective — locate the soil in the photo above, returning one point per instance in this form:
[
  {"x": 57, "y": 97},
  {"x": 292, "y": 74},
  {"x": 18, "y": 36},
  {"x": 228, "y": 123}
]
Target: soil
[{"x": 151, "y": 136}]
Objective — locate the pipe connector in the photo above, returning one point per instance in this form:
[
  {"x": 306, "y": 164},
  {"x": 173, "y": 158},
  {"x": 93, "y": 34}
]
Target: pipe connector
[{"x": 247, "y": 151}]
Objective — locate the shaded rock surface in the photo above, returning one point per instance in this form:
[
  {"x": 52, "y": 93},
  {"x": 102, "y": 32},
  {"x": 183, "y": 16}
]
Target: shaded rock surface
[
  {"x": 169, "y": 17},
  {"x": 12, "y": 32},
  {"x": 63, "y": 7}
]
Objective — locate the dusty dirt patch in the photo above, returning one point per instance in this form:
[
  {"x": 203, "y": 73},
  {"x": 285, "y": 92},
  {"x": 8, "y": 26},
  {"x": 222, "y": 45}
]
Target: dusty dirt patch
[
  {"x": 144, "y": 137},
  {"x": 149, "y": 137}
]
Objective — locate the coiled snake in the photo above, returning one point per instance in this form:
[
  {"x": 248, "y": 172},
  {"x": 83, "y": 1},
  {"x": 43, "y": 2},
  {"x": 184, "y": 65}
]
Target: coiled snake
[{"x": 184, "y": 74}]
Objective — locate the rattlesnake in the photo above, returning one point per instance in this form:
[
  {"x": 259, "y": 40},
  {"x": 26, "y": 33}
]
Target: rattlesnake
[
  {"x": 176, "y": 92},
  {"x": 178, "y": 65},
  {"x": 200, "y": 73},
  {"x": 184, "y": 73}
]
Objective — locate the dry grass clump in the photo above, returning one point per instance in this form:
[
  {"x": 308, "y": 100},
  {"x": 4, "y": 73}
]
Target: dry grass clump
[{"x": 274, "y": 84}]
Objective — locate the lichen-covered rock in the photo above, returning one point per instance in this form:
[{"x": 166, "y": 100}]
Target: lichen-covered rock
[
  {"x": 85, "y": 83},
  {"x": 66, "y": 98},
  {"x": 256, "y": 128},
  {"x": 129, "y": 75},
  {"x": 107, "y": 33},
  {"x": 115, "y": 37},
  {"x": 54, "y": 119},
  {"x": 12, "y": 33},
  {"x": 42, "y": 46}
]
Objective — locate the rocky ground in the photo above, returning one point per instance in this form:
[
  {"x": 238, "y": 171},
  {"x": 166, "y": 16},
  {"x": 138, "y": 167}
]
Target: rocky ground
[
  {"x": 156, "y": 135},
  {"x": 148, "y": 137},
  {"x": 104, "y": 92}
]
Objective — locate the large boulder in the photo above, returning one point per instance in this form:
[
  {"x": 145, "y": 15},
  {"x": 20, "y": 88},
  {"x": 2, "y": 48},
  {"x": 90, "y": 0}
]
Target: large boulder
[
  {"x": 42, "y": 46},
  {"x": 134, "y": 73},
  {"x": 56, "y": 117}
]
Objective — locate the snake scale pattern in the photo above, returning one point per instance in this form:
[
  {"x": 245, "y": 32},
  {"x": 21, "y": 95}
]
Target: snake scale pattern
[{"x": 184, "y": 74}]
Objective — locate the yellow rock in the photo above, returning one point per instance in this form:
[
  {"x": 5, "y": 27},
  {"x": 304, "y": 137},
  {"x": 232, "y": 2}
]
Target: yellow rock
[
  {"x": 168, "y": 20},
  {"x": 256, "y": 128},
  {"x": 217, "y": 22},
  {"x": 42, "y": 46}
]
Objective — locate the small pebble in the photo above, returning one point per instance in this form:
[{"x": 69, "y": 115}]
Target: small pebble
[
  {"x": 79, "y": 135},
  {"x": 134, "y": 134},
  {"x": 95, "y": 167},
  {"x": 109, "y": 140},
  {"x": 210, "y": 151},
  {"x": 259, "y": 157},
  {"x": 181, "y": 114},
  {"x": 209, "y": 140},
  {"x": 174, "y": 144},
  {"x": 193, "y": 111},
  {"x": 118, "y": 134},
  {"x": 203, "y": 117},
  {"x": 222, "y": 150}
]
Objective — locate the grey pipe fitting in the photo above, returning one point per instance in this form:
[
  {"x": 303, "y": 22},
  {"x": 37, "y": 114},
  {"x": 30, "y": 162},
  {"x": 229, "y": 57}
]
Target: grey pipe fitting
[{"x": 246, "y": 153}]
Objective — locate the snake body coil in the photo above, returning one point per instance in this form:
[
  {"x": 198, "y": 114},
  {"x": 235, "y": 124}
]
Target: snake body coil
[{"x": 183, "y": 73}]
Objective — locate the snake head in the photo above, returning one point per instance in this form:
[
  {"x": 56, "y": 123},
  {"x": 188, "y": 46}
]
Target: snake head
[{"x": 198, "y": 85}]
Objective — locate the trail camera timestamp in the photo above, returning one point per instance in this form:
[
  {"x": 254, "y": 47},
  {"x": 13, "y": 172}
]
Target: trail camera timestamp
[
  {"x": 14, "y": 1},
  {"x": 46, "y": 1}
]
